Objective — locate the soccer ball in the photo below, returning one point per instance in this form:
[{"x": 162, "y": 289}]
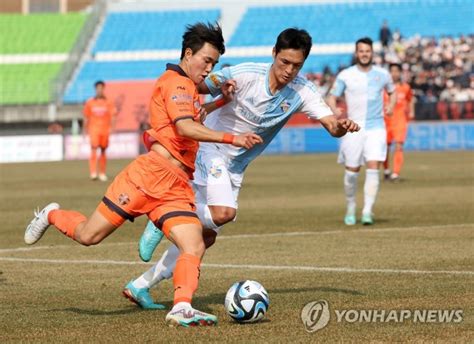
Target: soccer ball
[{"x": 247, "y": 301}]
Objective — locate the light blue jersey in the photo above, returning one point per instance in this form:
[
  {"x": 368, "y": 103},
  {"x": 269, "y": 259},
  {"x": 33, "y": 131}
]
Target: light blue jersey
[
  {"x": 364, "y": 94},
  {"x": 255, "y": 109}
]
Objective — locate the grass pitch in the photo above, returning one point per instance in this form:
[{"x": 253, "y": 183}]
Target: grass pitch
[{"x": 289, "y": 236}]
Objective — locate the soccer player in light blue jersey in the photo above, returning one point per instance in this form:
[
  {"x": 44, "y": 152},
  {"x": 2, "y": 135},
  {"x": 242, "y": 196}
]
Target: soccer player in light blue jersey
[
  {"x": 362, "y": 86},
  {"x": 261, "y": 98}
]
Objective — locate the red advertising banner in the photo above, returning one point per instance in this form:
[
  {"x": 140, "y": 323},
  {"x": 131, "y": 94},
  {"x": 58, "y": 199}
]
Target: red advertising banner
[{"x": 131, "y": 98}]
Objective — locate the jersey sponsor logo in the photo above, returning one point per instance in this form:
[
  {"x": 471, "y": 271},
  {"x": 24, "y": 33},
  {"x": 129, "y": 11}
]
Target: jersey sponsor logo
[
  {"x": 181, "y": 98},
  {"x": 182, "y": 88}
]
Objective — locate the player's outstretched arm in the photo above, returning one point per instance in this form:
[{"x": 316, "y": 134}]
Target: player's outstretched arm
[
  {"x": 339, "y": 127},
  {"x": 196, "y": 131}
]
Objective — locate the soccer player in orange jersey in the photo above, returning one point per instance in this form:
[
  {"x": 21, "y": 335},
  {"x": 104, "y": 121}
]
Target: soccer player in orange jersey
[
  {"x": 397, "y": 124},
  {"x": 99, "y": 118},
  {"x": 157, "y": 183}
]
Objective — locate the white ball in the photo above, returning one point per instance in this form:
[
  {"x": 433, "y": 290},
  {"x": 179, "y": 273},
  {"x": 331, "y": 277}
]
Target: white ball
[{"x": 246, "y": 301}]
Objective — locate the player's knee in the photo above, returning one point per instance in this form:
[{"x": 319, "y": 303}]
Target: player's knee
[
  {"x": 222, "y": 215},
  {"x": 399, "y": 147}
]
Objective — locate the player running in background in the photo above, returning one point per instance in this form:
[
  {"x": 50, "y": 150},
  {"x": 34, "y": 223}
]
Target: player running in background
[
  {"x": 397, "y": 124},
  {"x": 157, "y": 183},
  {"x": 363, "y": 85},
  {"x": 265, "y": 97},
  {"x": 99, "y": 119}
]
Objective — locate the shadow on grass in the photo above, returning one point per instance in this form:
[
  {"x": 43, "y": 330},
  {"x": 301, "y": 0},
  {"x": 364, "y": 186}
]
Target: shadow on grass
[
  {"x": 100, "y": 312},
  {"x": 201, "y": 302}
]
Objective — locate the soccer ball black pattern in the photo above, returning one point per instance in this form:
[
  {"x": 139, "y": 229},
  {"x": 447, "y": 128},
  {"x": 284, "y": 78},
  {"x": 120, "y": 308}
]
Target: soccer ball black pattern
[{"x": 247, "y": 301}]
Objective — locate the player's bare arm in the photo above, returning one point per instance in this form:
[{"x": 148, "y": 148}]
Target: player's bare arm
[
  {"x": 332, "y": 103},
  {"x": 339, "y": 127},
  {"x": 391, "y": 105},
  {"x": 196, "y": 131}
]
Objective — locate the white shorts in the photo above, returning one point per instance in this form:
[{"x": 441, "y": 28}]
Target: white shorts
[
  {"x": 213, "y": 184},
  {"x": 365, "y": 145}
]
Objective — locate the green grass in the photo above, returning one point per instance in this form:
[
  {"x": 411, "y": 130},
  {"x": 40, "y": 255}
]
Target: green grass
[{"x": 425, "y": 223}]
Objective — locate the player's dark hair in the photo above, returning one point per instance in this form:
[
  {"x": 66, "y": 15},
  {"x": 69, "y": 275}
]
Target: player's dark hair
[
  {"x": 396, "y": 65},
  {"x": 198, "y": 34},
  {"x": 294, "y": 38},
  {"x": 365, "y": 40},
  {"x": 100, "y": 82}
]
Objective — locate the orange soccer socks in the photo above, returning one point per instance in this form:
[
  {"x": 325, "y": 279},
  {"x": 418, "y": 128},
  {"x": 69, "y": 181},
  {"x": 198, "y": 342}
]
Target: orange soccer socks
[
  {"x": 397, "y": 161},
  {"x": 185, "y": 279},
  {"x": 102, "y": 162},
  {"x": 66, "y": 221},
  {"x": 93, "y": 163}
]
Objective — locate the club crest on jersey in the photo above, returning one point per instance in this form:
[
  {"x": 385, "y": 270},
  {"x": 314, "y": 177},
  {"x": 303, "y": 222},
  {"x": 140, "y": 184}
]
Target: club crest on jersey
[
  {"x": 123, "y": 199},
  {"x": 215, "y": 80},
  {"x": 215, "y": 171},
  {"x": 284, "y": 106}
]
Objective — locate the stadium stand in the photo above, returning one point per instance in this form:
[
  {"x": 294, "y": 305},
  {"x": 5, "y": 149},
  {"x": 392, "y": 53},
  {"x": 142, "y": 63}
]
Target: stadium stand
[
  {"x": 148, "y": 30},
  {"x": 346, "y": 22},
  {"x": 49, "y": 37},
  {"x": 331, "y": 24}
]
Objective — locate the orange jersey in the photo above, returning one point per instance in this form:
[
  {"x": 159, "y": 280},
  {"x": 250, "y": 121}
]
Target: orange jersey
[
  {"x": 99, "y": 113},
  {"x": 174, "y": 98},
  {"x": 402, "y": 107}
]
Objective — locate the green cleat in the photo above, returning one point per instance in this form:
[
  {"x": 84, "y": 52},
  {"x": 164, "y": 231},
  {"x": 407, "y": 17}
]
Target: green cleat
[
  {"x": 141, "y": 297},
  {"x": 350, "y": 220},
  {"x": 367, "y": 219},
  {"x": 149, "y": 240}
]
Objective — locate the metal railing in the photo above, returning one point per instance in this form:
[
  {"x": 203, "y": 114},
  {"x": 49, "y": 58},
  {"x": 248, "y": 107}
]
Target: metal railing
[{"x": 59, "y": 83}]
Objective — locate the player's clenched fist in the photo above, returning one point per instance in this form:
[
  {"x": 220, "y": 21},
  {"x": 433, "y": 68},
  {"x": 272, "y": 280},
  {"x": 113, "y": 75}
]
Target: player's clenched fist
[
  {"x": 247, "y": 140},
  {"x": 349, "y": 125}
]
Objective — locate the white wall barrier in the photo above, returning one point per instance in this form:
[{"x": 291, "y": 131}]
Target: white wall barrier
[
  {"x": 31, "y": 148},
  {"x": 121, "y": 146}
]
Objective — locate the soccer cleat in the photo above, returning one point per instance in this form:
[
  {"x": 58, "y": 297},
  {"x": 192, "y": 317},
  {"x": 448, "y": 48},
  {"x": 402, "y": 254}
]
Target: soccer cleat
[
  {"x": 367, "y": 219},
  {"x": 103, "y": 177},
  {"x": 141, "y": 297},
  {"x": 189, "y": 317},
  {"x": 149, "y": 240},
  {"x": 350, "y": 220},
  {"x": 394, "y": 178},
  {"x": 39, "y": 224},
  {"x": 93, "y": 176},
  {"x": 386, "y": 175}
]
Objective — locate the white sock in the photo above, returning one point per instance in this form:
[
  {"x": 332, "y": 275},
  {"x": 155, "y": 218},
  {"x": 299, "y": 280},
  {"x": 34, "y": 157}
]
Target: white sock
[
  {"x": 160, "y": 271},
  {"x": 371, "y": 187},
  {"x": 350, "y": 188}
]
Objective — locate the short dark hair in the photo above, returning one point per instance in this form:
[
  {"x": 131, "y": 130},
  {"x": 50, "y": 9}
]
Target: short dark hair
[
  {"x": 294, "y": 38},
  {"x": 396, "y": 65},
  {"x": 200, "y": 33},
  {"x": 365, "y": 40},
  {"x": 99, "y": 82}
]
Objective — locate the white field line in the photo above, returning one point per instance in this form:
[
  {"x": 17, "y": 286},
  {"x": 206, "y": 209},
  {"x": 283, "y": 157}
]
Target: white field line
[
  {"x": 265, "y": 235},
  {"x": 251, "y": 267}
]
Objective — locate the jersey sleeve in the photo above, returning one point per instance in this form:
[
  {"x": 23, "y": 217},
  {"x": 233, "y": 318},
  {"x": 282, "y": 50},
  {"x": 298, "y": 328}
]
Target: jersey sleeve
[
  {"x": 216, "y": 79},
  {"x": 179, "y": 99},
  {"x": 389, "y": 85},
  {"x": 313, "y": 104},
  {"x": 339, "y": 86}
]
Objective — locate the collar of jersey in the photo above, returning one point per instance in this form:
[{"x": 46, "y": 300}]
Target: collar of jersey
[{"x": 176, "y": 68}]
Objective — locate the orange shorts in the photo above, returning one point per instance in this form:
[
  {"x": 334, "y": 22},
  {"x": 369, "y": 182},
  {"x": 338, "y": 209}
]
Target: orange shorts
[
  {"x": 154, "y": 186},
  {"x": 99, "y": 139},
  {"x": 396, "y": 129}
]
